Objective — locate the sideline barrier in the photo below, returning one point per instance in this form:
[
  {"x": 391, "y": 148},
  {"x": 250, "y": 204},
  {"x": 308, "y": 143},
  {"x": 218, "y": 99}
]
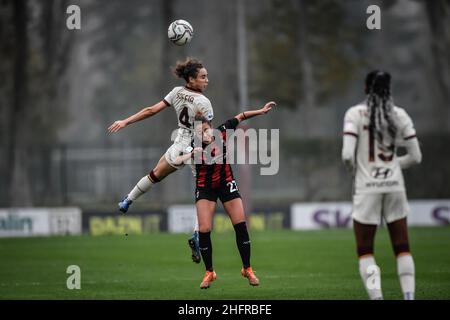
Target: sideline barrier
[
  {"x": 322, "y": 215},
  {"x": 27, "y": 222}
]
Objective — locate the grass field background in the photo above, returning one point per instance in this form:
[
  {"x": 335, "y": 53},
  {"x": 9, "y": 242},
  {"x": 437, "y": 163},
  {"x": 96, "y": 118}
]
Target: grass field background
[{"x": 291, "y": 265}]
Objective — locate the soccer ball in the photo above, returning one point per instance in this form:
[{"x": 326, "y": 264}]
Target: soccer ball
[{"x": 180, "y": 32}]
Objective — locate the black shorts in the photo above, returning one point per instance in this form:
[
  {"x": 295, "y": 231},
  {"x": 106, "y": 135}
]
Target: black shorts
[{"x": 226, "y": 192}]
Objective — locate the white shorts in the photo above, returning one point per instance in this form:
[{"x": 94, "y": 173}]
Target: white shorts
[
  {"x": 178, "y": 148},
  {"x": 368, "y": 208}
]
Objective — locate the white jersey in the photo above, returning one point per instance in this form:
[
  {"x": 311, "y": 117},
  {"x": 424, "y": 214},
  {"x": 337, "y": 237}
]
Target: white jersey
[
  {"x": 187, "y": 104},
  {"x": 377, "y": 167}
]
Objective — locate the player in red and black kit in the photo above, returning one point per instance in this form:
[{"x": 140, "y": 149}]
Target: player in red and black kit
[
  {"x": 214, "y": 180},
  {"x": 214, "y": 177}
]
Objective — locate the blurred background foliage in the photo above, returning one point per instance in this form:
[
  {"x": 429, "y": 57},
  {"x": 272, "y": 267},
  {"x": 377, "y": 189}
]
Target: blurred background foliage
[{"x": 60, "y": 90}]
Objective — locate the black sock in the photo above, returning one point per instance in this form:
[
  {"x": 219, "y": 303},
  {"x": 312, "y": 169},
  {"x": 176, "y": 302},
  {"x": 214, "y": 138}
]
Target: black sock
[
  {"x": 243, "y": 243},
  {"x": 206, "y": 249}
]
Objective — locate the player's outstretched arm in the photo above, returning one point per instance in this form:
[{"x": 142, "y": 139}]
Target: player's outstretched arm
[
  {"x": 253, "y": 113},
  {"x": 143, "y": 114}
]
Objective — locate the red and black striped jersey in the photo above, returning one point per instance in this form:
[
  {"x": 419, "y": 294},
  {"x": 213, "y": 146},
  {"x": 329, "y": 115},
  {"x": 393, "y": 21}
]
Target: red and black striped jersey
[{"x": 214, "y": 174}]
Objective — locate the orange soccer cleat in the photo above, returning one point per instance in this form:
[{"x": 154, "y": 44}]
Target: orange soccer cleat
[
  {"x": 248, "y": 273},
  {"x": 209, "y": 277}
]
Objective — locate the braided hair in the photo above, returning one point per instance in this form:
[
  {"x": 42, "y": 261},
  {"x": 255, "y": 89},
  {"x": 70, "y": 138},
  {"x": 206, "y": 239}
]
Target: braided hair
[{"x": 382, "y": 124}]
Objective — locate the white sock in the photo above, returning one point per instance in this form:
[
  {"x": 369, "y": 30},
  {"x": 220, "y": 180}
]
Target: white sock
[
  {"x": 141, "y": 187},
  {"x": 406, "y": 271},
  {"x": 371, "y": 277},
  {"x": 196, "y": 224}
]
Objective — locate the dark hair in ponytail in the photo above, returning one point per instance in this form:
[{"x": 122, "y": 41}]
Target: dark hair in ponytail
[
  {"x": 380, "y": 105},
  {"x": 188, "y": 68}
]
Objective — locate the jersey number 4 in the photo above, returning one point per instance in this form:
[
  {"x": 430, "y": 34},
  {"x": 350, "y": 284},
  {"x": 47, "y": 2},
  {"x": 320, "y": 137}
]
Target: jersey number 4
[{"x": 184, "y": 117}]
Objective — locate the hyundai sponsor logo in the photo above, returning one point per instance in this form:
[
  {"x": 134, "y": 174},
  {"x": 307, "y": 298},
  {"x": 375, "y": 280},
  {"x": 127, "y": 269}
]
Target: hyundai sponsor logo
[{"x": 381, "y": 173}]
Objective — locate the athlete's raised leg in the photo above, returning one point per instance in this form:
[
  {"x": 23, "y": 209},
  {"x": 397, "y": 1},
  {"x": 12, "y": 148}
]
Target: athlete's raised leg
[
  {"x": 162, "y": 170},
  {"x": 194, "y": 243}
]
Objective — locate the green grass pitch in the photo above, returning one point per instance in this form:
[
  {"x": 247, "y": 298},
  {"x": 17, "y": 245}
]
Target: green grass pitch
[{"x": 290, "y": 264}]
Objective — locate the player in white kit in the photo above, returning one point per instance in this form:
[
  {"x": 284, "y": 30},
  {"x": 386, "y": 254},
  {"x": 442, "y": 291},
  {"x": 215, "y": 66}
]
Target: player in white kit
[
  {"x": 188, "y": 101},
  {"x": 373, "y": 130}
]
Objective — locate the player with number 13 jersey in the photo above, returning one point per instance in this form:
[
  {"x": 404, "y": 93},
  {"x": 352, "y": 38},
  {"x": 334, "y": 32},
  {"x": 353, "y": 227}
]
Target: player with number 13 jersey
[
  {"x": 372, "y": 132},
  {"x": 377, "y": 168}
]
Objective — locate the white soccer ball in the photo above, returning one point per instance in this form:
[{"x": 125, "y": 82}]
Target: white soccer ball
[{"x": 180, "y": 32}]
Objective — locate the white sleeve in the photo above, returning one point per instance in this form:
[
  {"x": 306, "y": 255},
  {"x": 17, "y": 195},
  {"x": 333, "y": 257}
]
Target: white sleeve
[
  {"x": 351, "y": 122},
  {"x": 348, "y": 150},
  {"x": 205, "y": 108},
  {"x": 350, "y": 138},
  {"x": 413, "y": 155},
  {"x": 168, "y": 99},
  {"x": 407, "y": 130}
]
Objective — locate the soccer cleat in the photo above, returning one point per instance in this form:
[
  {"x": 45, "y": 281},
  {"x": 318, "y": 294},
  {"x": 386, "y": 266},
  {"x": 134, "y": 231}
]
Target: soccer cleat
[
  {"x": 195, "y": 247},
  {"x": 125, "y": 204},
  {"x": 248, "y": 273},
  {"x": 209, "y": 277}
]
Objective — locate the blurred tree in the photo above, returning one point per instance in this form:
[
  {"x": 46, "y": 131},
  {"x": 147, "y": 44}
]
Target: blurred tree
[
  {"x": 272, "y": 62},
  {"x": 439, "y": 19},
  {"x": 167, "y": 14},
  {"x": 19, "y": 186},
  {"x": 128, "y": 60},
  {"x": 7, "y": 54},
  {"x": 37, "y": 58},
  {"x": 303, "y": 44}
]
